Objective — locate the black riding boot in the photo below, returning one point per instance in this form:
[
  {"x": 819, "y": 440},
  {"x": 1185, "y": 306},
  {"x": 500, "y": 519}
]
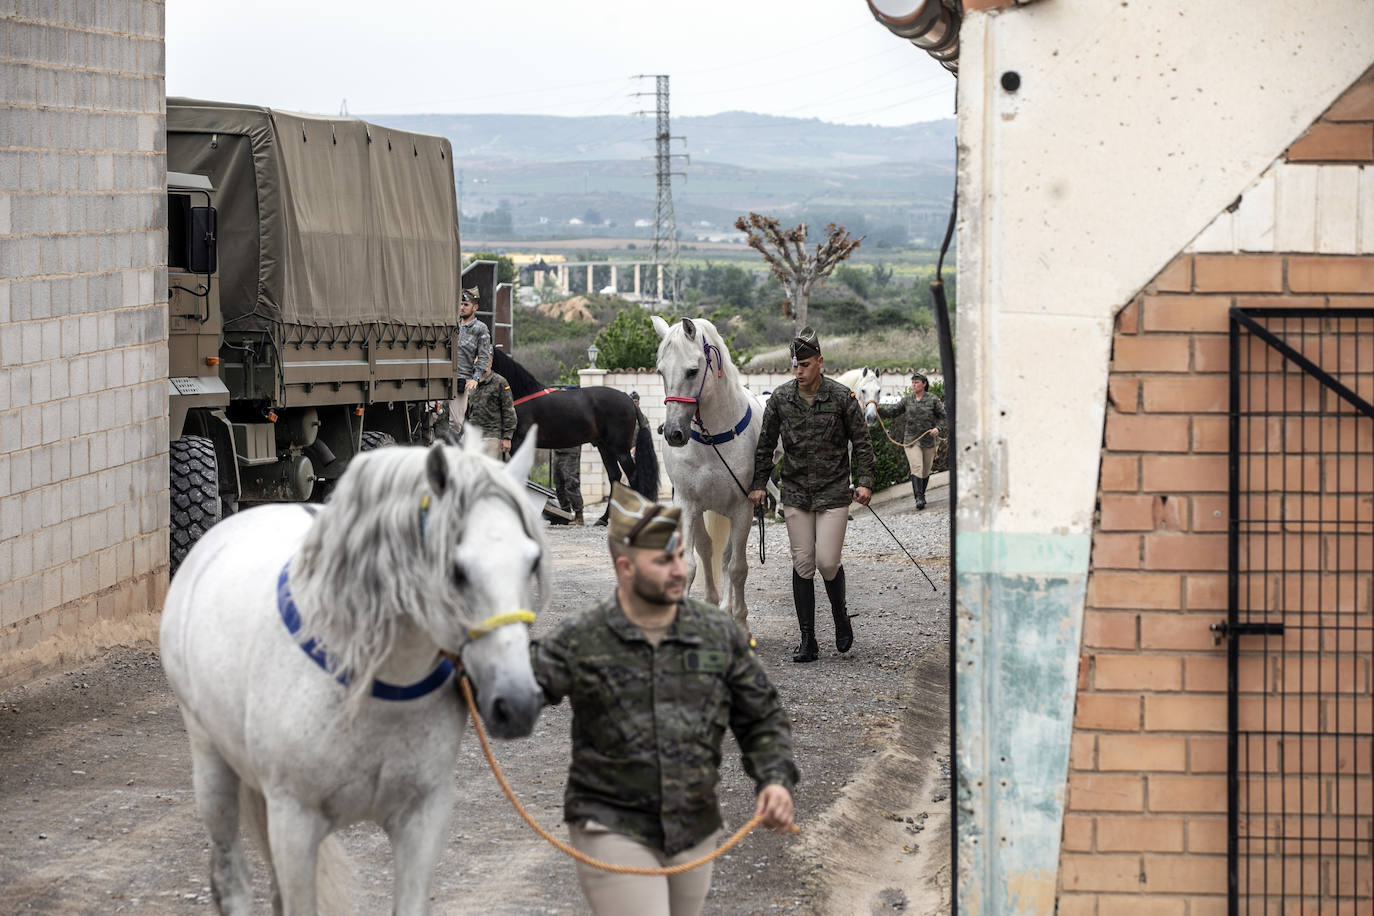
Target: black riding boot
[
  {"x": 834, "y": 590},
  {"x": 804, "y": 597},
  {"x": 915, "y": 488},
  {"x": 921, "y": 491}
]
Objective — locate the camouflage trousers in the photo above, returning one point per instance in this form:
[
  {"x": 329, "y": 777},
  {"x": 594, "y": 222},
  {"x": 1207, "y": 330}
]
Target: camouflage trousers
[{"x": 567, "y": 478}]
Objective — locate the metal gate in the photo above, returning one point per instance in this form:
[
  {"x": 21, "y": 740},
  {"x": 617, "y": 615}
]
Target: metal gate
[{"x": 1301, "y": 620}]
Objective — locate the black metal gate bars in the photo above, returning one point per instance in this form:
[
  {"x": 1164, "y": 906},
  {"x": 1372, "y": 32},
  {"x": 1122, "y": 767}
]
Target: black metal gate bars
[{"x": 1300, "y": 622}]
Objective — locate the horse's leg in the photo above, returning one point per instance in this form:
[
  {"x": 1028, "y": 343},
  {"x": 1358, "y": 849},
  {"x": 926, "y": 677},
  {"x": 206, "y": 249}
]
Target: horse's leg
[
  {"x": 294, "y": 833},
  {"x": 737, "y": 562},
  {"x": 417, "y": 838},
  {"x": 217, "y": 797},
  {"x": 706, "y": 555},
  {"x": 608, "y": 458}
]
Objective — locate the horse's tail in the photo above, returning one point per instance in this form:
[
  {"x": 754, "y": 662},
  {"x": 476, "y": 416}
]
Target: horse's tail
[
  {"x": 336, "y": 880},
  {"x": 645, "y": 478}
]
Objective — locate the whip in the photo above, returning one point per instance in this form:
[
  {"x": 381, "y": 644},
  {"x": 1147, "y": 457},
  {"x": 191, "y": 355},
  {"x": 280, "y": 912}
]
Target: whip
[{"x": 901, "y": 545}]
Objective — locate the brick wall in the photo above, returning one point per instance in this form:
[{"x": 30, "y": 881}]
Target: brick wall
[
  {"x": 83, "y": 328},
  {"x": 1145, "y": 823}
]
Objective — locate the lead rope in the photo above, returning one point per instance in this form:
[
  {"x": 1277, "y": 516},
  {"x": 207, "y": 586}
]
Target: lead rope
[
  {"x": 758, "y": 510},
  {"x": 889, "y": 435},
  {"x": 564, "y": 847}
]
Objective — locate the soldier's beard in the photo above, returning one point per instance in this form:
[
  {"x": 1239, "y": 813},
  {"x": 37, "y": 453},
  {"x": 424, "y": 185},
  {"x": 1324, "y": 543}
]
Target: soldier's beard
[{"x": 665, "y": 594}]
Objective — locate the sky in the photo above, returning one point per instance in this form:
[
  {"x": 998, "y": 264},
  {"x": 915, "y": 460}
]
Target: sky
[{"x": 826, "y": 59}]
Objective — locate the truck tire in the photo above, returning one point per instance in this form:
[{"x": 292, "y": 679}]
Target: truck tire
[
  {"x": 195, "y": 494},
  {"x": 374, "y": 439}
]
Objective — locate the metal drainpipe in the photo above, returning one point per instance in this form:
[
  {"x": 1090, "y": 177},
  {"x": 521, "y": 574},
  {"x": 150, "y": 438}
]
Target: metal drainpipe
[{"x": 931, "y": 25}]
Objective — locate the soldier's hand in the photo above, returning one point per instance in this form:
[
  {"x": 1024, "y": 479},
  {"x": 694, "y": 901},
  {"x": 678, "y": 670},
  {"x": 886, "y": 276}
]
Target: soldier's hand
[
  {"x": 757, "y": 497},
  {"x": 862, "y": 495},
  {"x": 775, "y": 805},
  {"x": 472, "y": 383},
  {"x": 505, "y": 446}
]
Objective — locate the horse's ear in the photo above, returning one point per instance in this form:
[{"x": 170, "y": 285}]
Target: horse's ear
[
  {"x": 520, "y": 463},
  {"x": 436, "y": 469},
  {"x": 690, "y": 328},
  {"x": 660, "y": 325}
]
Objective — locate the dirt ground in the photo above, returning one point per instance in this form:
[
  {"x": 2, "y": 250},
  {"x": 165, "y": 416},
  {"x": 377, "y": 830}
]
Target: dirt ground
[{"x": 97, "y": 813}]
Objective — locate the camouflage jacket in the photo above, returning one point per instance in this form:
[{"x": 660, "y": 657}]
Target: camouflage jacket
[
  {"x": 917, "y": 418},
  {"x": 815, "y": 446},
  {"x": 473, "y": 351},
  {"x": 491, "y": 407},
  {"x": 647, "y": 723}
]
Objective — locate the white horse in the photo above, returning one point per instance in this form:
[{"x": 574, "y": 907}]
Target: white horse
[
  {"x": 304, "y": 648},
  {"x": 708, "y": 406},
  {"x": 867, "y": 384}
]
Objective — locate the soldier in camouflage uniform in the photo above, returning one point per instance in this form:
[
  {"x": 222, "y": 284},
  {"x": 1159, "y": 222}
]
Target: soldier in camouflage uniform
[
  {"x": 472, "y": 353},
  {"x": 819, "y": 421},
  {"x": 492, "y": 409},
  {"x": 654, "y": 679},
  {"x": 922, "y": 426},
  {"x": 567, "y": 480}
]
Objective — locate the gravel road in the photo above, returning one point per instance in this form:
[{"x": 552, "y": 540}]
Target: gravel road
[{"x": 98, "y": 815}]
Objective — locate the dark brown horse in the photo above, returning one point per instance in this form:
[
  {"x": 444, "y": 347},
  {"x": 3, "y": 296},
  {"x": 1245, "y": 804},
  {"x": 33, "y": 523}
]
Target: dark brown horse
[{"x": 605, "y": 417}]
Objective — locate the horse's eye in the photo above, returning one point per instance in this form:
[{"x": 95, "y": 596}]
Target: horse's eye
[
  {"x": 692, "y": 373},
  {"x": 460, "y": 578}
]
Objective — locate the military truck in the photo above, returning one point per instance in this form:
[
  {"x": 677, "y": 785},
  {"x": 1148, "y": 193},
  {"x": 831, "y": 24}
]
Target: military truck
[{"x": 314, "y": 274}]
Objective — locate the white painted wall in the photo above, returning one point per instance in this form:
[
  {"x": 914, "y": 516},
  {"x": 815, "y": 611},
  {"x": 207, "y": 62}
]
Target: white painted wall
[{"x": 1134, "y": 126}]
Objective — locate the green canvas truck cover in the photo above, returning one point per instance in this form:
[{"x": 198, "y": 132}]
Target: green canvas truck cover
[{"x": 323, "y": 221}]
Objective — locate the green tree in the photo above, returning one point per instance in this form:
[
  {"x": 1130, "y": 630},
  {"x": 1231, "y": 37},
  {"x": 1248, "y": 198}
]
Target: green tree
[
  {"x": 628, "y": 342},
  {"x": 856, "y": 278},
  {"x": 505, "y": 267}
]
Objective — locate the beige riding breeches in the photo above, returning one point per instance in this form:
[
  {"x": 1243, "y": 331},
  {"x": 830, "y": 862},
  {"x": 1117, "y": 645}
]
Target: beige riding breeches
[
  {"x": 612, "y": 894},
  {"x": 458, "y": 410},
  {"x": 816, "y": 539},
  {"x": 920, "y": 459}
]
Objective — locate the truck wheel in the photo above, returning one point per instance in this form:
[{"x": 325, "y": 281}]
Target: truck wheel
[
  {"x": 195, "y": 493},
  {"x": 375, "y": 439}
]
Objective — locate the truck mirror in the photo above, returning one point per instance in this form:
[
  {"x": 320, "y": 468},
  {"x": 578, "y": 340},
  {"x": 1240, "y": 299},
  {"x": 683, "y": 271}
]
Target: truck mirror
[{"x": 200, "y": 241}]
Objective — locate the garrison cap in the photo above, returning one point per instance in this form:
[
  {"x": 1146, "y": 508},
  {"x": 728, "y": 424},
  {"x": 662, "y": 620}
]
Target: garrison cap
[
  {"x": 805, "y": 345},
  {"x": 639, "y": 522},
  {"x": 472, "y": 294}
]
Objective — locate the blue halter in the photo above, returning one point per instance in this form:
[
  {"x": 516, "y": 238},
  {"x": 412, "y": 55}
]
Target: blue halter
[
  {"x": 720, "y": 438},
  {"x": 286, "y": 606}
]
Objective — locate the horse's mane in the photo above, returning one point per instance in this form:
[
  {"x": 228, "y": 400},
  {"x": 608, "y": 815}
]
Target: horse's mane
[
  {"x": 517, "y": 376},
  {"x": 369, "y": 562},
  {"x": 705, "y": 329}
]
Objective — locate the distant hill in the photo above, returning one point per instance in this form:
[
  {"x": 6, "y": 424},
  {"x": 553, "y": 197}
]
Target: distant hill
[
  {"x": 752, "y": 141},
  {"x": 535, "y": 174}
]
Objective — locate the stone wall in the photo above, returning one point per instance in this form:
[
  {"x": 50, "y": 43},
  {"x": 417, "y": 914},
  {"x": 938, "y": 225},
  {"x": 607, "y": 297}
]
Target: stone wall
[{"x": 83, "y": 327}]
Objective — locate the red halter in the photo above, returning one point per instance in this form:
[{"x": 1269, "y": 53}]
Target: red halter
[{"x": 707, "y": 349}]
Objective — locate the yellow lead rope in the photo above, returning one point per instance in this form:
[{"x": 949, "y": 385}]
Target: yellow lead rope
[{"x": 580, "y": 856}]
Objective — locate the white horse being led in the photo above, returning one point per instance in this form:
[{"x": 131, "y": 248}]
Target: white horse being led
[
  {"x": 304, "y": 649},
  {"x": 867, "y": 385},
  {"x": 708, "y": 405}
]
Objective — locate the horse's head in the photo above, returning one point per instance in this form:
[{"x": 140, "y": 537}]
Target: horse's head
[
  {"x": 867, "y": 390},
  {"x": 690, "y": 358},
  {"x": 488, "y": 571},
  {"x": 421, "y": 550}
]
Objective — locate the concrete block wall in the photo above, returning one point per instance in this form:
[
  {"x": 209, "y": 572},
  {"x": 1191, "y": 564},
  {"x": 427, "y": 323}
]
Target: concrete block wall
[
  {"x": 1145, "y": 823},
  {"x": 83, "y": 325}
]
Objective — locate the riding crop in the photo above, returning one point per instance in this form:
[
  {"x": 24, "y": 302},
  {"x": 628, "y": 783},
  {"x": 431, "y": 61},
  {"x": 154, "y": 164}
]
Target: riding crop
[
  {"x": 901, "y": 545},
  {"x": 574, "y": 853}
]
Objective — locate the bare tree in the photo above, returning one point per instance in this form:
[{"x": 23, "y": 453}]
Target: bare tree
[{"x": 787, "y": 257}]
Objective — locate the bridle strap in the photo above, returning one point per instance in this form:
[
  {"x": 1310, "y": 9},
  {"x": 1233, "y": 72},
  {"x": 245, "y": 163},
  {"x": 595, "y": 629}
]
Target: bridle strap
[{"x": 496, "y": 621}]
